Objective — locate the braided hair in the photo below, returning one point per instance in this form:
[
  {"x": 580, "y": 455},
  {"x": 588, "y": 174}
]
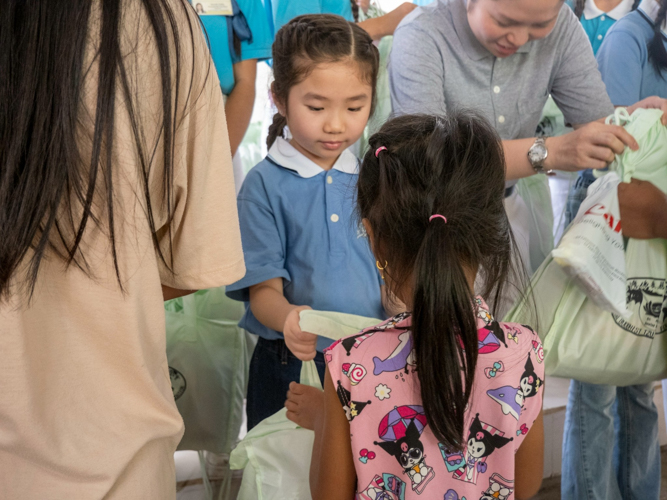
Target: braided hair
[
  {"x": 657, "y": 53},
  {"x": 312, "y": 39}
]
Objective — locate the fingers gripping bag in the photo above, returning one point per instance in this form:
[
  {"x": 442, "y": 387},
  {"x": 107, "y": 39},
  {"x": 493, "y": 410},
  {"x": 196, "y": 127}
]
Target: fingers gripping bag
[
  {"x": 585, "y": 342},
  {"x": 275, "y": 454}
]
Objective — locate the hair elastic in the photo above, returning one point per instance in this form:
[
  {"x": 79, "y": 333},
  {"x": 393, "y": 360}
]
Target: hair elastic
[
  {"x": 435, "y": 216},
  {"x": 381, "y": 148}
]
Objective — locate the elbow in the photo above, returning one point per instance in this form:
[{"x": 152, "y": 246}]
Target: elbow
[{"x": 529, "y": 491}]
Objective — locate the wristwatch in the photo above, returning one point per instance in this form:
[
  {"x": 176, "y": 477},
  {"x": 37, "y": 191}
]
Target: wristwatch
[{"x": 537, "y": 154}]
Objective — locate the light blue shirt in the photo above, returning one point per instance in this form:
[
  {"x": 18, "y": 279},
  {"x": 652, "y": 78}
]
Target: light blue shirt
[
  {"x": 259, "y": 48},
  {"x": 298, "y": 223},
  {"x": 286, "y": 10},
  {"x": 624, "y": 63}
]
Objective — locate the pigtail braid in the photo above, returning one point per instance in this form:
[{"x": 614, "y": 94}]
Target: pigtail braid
[
  {"x": 657, "y": 53},
  {"x": 276, "y": 129}
]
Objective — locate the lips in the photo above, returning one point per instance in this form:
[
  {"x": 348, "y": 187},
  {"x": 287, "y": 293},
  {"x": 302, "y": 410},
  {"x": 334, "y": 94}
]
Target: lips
[
  {"x": 331, "y": 145},
  {"x": 506, "y": 51}
]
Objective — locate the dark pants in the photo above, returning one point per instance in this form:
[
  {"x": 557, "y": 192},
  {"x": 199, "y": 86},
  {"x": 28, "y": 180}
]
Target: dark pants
[{"x": 272, "y": 368}]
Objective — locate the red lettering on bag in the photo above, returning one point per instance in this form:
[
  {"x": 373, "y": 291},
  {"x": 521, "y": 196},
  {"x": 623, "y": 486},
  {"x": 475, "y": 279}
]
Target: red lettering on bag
[{"x": 600, "y": 209}]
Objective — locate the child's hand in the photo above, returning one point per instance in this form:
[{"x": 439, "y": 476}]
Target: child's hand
[{"x": 302, "y": 344}]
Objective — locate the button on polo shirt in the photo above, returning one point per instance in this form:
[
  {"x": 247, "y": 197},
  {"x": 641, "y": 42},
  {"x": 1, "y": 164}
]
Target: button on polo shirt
[
  {"x": 437, "y": 65},
  {"x": 596, "y": 22},
  {"x": 298, "y": 223}
]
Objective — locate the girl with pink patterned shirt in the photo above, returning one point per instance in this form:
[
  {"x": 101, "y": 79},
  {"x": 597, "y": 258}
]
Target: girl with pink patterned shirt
[{"x": 442, "y": 401}]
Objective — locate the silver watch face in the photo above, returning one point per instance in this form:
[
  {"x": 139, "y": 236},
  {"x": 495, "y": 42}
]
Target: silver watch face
[{"x": 537, "y": 153}]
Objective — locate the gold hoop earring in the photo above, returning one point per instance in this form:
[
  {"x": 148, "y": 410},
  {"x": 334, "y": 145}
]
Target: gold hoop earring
[{"x": 381, "y": 268}]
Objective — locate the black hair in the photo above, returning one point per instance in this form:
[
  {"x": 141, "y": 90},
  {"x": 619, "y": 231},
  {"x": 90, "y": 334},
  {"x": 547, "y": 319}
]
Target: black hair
[
  {"x": 579, "y": 6},
  {"x": 312, "y": 39},
  {"x": 453, "y": 166},
  {"x": 657, "y": 53},
  {"x": 50, "y": 179}
]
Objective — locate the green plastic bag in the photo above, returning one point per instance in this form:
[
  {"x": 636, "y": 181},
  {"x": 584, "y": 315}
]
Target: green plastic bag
[
  {"x": 275, "y": 455},
  {"x": 582, "y": 341},
  {"x": 209, "y": 358}
]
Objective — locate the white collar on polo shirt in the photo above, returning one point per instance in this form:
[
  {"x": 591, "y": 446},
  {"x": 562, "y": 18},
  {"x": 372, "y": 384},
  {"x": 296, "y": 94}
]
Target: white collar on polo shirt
[
  {"x": 650, "y": 8},
  {"x": 287, "y": 156},
  {"x": 591, "y": 11}
]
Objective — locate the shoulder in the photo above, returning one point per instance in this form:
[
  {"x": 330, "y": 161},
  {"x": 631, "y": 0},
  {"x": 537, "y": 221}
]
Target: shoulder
[
  {"x": 260, "y": 181},
  {"x": 632, "y": 27},
  {"x": 567, "y": 24},
  {"x": 426, "y": 20}
]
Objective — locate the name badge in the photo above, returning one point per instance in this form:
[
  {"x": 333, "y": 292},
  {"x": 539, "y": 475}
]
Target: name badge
[{"x": 217, "y": 8}]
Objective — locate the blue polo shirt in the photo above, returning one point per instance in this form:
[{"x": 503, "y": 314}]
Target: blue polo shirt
[
  {"x": 260, "y": 48},
  {"x": 286, "y": 10},
  {"x": 624, "y": 63},
  {"x": 596, "y": 23},
  {"x": 298, "y": 223}
]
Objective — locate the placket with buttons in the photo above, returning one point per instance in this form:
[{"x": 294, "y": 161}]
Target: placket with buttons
[{"x": 334, "y": 211}]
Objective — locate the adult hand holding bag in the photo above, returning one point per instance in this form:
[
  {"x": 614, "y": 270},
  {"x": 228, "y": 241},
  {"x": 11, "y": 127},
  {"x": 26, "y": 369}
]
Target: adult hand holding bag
[
  {"x": 275, "y": 455},
  {"x": 581, "y": 340}
]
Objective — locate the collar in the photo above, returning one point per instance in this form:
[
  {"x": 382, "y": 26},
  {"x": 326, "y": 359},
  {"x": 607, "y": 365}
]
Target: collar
[
  {"x": 650, "y": 8},
  {"x": 287, "y": 156},
  {"x": 472, "y": 47},
  {"x": 591, "y": 10}
]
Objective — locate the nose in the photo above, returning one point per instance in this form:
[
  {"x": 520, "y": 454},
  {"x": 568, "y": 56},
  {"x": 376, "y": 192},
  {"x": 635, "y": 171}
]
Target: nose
[
  {"x": 335, "y": 123},
  {"x": 518, "y": 37}
]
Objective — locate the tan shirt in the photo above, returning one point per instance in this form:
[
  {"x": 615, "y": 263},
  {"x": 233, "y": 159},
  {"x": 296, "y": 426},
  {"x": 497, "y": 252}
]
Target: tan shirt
[{"x": 86, "y": 408}]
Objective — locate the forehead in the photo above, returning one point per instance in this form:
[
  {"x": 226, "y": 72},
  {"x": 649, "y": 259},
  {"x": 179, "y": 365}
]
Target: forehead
[
  {"x": 522, "y": 11},
  {"x": 335, "y": 81}
]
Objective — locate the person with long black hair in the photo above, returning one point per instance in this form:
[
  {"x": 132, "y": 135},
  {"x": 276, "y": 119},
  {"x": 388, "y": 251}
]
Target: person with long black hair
[
  {"x": 441, "y": 400},
  {"x": 116, "y": 192}
]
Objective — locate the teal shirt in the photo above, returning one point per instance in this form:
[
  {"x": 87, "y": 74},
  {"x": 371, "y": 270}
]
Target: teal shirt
[
  {"x": 286, "y": 10},
  {"x": 260, "y": 48},
  {"x": 596, "y": 23}
]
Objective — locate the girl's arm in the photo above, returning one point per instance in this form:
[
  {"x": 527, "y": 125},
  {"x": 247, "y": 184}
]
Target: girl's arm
[
  {"x": 272, "y": 309},
  {"x": 529, "y": 462},
  {"x": 332, "y": 474},
  {"x": 238, "y": 108},
  {"x": 169, "y": 293},
  {"x": 382, "y": 26}
]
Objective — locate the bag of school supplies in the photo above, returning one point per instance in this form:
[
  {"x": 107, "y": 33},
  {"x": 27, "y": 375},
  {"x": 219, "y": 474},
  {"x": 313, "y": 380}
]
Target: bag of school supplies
[
  {"x": 581, "y": 340},
  {"x": 275, "y": 455}
]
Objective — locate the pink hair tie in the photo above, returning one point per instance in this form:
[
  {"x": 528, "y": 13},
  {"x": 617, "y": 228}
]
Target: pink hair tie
[
  {"x": 434, "y": 216},
  {"x": 381, "y": 148}
]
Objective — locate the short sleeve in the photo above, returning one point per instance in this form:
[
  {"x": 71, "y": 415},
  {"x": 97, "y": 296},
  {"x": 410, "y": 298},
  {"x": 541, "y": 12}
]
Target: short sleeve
[
  {"x": 255, "y": 14},
  {"x": 416, "y": 73},
  {"x": 335, "y": 356},
  {"x": 204, "y": 230},
  {"x": 577, "y": 86},
  {"x": 620, "y": 62},
  {"x": 532, "y": 377},
  {"x": 341, "y": 8},
  {"x": 262, "y": 235}
]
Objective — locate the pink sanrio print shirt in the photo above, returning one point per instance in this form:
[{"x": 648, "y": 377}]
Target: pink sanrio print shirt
[{"x": 396, "y": 455}]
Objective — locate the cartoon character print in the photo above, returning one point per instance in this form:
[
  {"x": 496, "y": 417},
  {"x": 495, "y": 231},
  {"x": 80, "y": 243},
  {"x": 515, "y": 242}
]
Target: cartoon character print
[
  {"x": 384, "y": 487},
  {"x": 401, "y": 357},
  {"x": 409, "y": 452},
  {"x": 499, "y": 488},
  {"x": 491, "y": 334},
  {"x": 352, "y": 408},
  {"x": 483, "y": 439},
  {"x": 453, "y": 495},
  {"x": 511, "y": 399}
]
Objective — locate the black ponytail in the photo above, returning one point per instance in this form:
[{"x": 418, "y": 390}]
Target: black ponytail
[
  {"x": 452, "y": 166},
  {"x": 579, "y": 8},
  {"x": 276, "y": 129},
  {"x": 657, "y": 53}
]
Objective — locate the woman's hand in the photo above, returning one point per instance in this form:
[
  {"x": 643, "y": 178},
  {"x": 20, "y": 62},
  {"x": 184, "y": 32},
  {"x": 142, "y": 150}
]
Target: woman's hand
[
  {"x": 643, "y": 210},
  {"x": 591, "y": 146},
  {"x": 302, "y": 344},
  {"x": 653, "y": 102}
]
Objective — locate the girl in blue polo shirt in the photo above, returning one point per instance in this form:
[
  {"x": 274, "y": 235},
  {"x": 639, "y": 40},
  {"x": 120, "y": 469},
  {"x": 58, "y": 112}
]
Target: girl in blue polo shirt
[
  {"x": 597, "y": 19},
  {"x": 301, "y": 244}
]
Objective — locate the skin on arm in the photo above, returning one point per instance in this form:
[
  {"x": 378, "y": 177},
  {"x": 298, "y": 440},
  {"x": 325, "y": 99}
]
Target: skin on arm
[
  {"x": 529, "y": 462},
  {"x": 643, "y": 210},
  {"x": 332, "y": 474},
  {"x": 382, "y": 26},
  {"x": 272, "y": 309},
  {"x": 238, "y": 108}
]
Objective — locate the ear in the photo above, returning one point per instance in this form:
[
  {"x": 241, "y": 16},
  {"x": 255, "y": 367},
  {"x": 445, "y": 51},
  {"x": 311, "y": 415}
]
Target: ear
[
  {"x": 282, "y": 109},
  {"x": 411, "y": 433},
  {"x": 391, "y": 447},
  {"x": 500, "y": 441},
  {"x": 529, "y": 365},
  {"x": 475, "y": 427}
]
